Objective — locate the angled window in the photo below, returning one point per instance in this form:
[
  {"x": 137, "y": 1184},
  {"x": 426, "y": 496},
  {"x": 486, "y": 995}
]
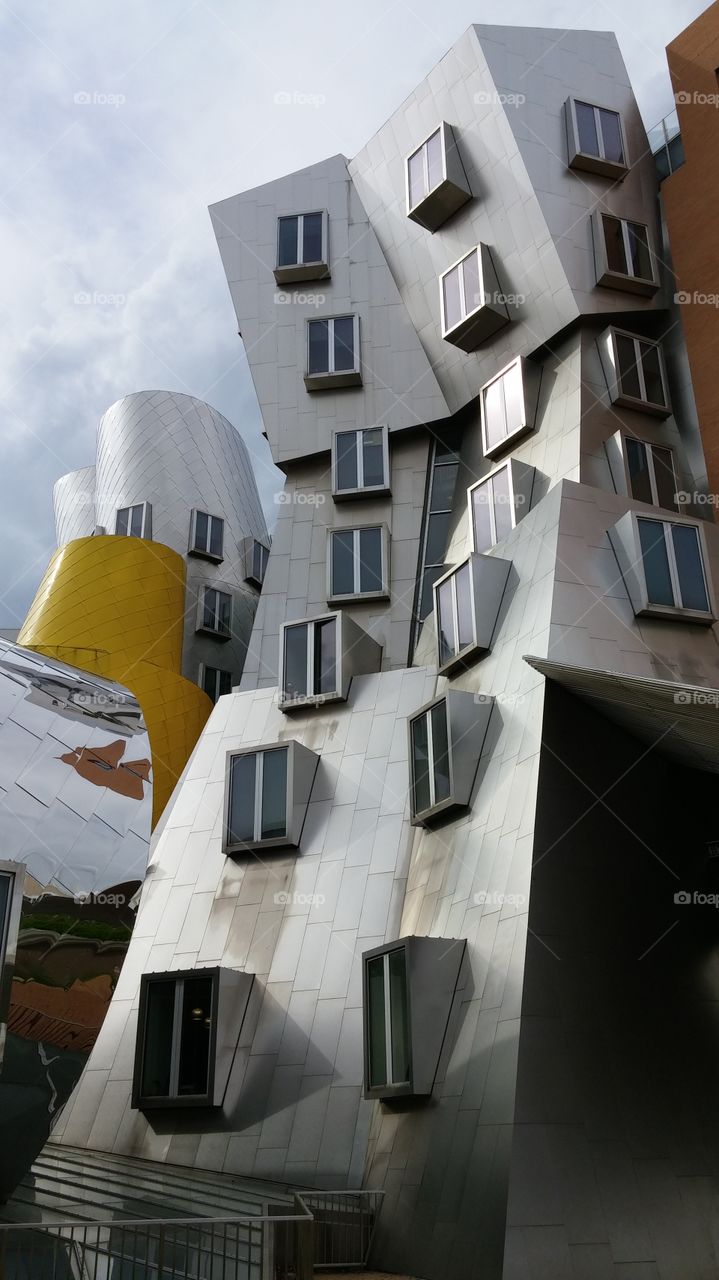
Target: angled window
[
  {"x": 134, "y": 522},
  {"x": 358, "y": 563},
  {"x": 206, "y": 536},
  {"x": 360, "y": 462},
  {"x": 467, "y": 603},
  {"x": 215, "y": 682},
  {"x": 622, "y": 255},
  {"x": 442, "y": 471},
  {"x": 595, "y": 139},
  {"x": 215, "y": 613},
  {"x": 387, "y": 1011},
  {"x": 333, "y": 353},
  {"x": 509, "y": 405},
  {"x": 445, "y": 742},
  {"x": 302, "y": 247},
  {"x": 436, "y": 181},
  {"x": 256, "y": 557},
  {"x": 319, "y": 656},
  {"x": 268, "y": 790},
  {"x": 634, "y": 367},
  {"x": 473, "y": 306},
  {"x": 651, "y": 473},
  {"x": 664, "y": 566},
  {"x": 180, "y": 1061},
  {"x": 498, "y": 501}
]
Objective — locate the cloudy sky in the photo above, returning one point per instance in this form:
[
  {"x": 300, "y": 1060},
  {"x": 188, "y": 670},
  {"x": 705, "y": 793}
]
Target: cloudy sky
[{"x": 123, "y": 120}]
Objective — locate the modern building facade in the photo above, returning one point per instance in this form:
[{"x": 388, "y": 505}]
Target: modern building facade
[
  {"x": 161, "y": 551},
  {"x": 432, "y": 909}
]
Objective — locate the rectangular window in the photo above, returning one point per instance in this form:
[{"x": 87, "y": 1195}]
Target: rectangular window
[
  {"x": 176, "y": 1037},
  {"x": 309, "y": 660},
  {"x": 492, "y": 507},
  {"x": 360, "y": 462},
  {"x": 332, "y": 346},
  {"x": 595, "y": 138},
  {"x": 456, "y": 630},
  {"x": 7, "y": 884},
  {"x": 651, "y": 473},
  {"x": 425, "y": 169},
  {"x": 206, "y": 535},
  {"x": 639, "y": 372},
  {"x": 673, "y": 566},
  {"x": 134, "y": 522},
  {"x": 256, "y": 558},
  {"x": 216, "y": 612},
  {"x": 626, "y": 246},
  {"x": 301, "y": 240},
  {"x": 505, "y": 411},
  {"x": 358, "y": 562},
  {"x": 387, "y": 1019},
  {"x": 215, "y": 682},
  {"x": 257, "y": 808},
  {"x": 462, "y": 291},
  {"x": 430, "y": 759}
]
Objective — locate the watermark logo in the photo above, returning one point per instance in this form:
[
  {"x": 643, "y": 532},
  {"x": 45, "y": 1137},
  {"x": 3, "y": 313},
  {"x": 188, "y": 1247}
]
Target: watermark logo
[
  {"x": 85, "y": 98},
  {"x": 495, "y": 899},
  {"x": 693, "y": 898},
  {"x": 97, "y": 699},
  {"x": 696, "y": 698},
  {"x": 683, "y": 499},
  {"x": 100, "y": 899},
  {"x": 502, "y": 699},
  {"x": 283, "y": 299},
  {"x": 84, "y": 299},
  {"x": 487, "y": 97},
  {"x": 697, "y": 299},
  {"x": 286, "y": 499},
  {"x": 696, "y": 99},
  {"x": 299, "y": 899},
  {"x": 296, "y": 98}
]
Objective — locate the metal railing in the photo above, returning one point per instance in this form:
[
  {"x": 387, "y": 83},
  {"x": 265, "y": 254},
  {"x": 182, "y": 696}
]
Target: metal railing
[{"x": 326, "y": 1229}]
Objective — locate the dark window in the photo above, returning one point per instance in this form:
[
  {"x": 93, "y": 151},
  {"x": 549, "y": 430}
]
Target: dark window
[
  {"x": 133, "y": 521},
  {"x": 357, "y": 562},
  {"x": 442, "y": 478},
  {"x": 207, "y": 535},
  {"x": 455, "y": 614},
  {"x": 640, "y": 373},
  {"x": 359, "y": 460},
  {"x": 216, "y": 611},
  {"x": 176, "y": 1025},
  {"x": 310, "y": 659},
  {"x": 651, "y": 473},
  {"x": 257, "y": 567},
  {"x": 332, "y": 345},
  {"x": 257, "y": 807},
  {"x": 599, "y": 132},
  {"x": 216, "y": 682},
  {"x": 387, "y": 1019},
  {"x": 627, "y": 248},
  {"x": 673, "y": 567},
  {"x": 300, "y": 239},
  {"x": 430, "y": 758}
]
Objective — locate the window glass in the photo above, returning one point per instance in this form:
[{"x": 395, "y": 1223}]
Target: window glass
[
  {"x": 209, "y": 680},
  {"x": 611, "y": 136},
  {"x": 495, "y": 422},
  {"x": 628, "y": 371},
  {"x": 664, "y": 477},
  {"x": 373, "y": 458},
  {"x": 440, "y": 750},
  {"x": 370, "y": 551},
  {"x": 472, "y": 290},
  {"x": 224, "y": 608},
  {"x": 194, "y": 1064},
  {"x": 399, "y": 1020},
  {"x": 287, "y": 242},
  {"x": 638, "y": 463},
  {"x": 445, "y": 622},
  {"x": 652, "y": 374},
  {"x": 274, "y": 794},
  {"x": 121, "y": 520},
  {"x": 420, "y": 764},
  {"x": 200, "y": 530},
  {"x": 587, "y": 129},
  {"x": 260, "y": 556},
  {"x": 435, "y": 169},
  {"x": 342, "y": 567},
  {"x": 136, "y": 514},
  {"x": 312, "y": 237},
  {"x": 241, "y": 818},
  {"x": 415, "y": 170},
  {"x": 452, "y": 299},
  {"x": 346, "y": 460},
  {"x": 502, "y": 504},
  {"x": 344, "y": 346},
  {"x": 639, "y": 251},
  {"x": 295, "y": 684},
  {"x": 656, "y": 562},
  {"x": 689, "y": 567},
  {"x": 376, "y": 1022},
  {"x": 325, "y": 656},
  {"x": 465, "y": 619},
  {"x": 208, "y": 611},
  {"x": 614, "y": 244},
  {"x": 482, "y": 516},
  {"x": 225, "y": 683},
  {"x": 318, "y": 355},
  {"x": 437, "y": 530},
  {"x": 429, "y": 577},
  {"x": 157, "y": 1046},
  {"x": 513, "y": 399},
  {"x": 216, "y": 531},
  {"x": 444, "y": 478}
]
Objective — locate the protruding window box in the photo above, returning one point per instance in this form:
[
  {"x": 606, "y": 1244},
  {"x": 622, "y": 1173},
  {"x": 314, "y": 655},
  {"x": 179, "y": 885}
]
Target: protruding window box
[
  {"x": 409, "y": 988},
  {"x": 360, "y": 463},
  {"x": 256, "y": 555},
  {"x": 595, "y": 139},
  {"x": 189, "y": 1025},
  {"x": 623, "y": 257},
  {"x": 498, "y": 502},
  {"x": 302, "y": 247},
  {"x": 214, "y": 613},
  {"x": 437, "y": 184},
  {"x": 509, "y": 405},
  {"x": 207, "y": 536},
  {"x": 643, "y": 470},
  {"x": 635, "y": 372},
  {"x": 267, "y": 792},
  {"x": 135, "y": 521},
  {"x": 473, "y": 306},
  {"x": 664, "y": 565},
  {"x": 333, "y": 353},
  {"x": 446, "y": 737},
  {"x": 466, "y": 608},
  {"x": 319, "y": 657}
]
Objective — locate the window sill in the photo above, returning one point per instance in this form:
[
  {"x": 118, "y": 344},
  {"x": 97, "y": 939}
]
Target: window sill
[
  {"x": 386, "y": 1092},
  {"x": 309, "y": 700},
  {"x": 173, "y": 1104},
  {"x": 641, "y": 406},
  {"x": 495, "y": 450},
  {"x": 670, "y": 613},
  {"x": 595, "y": 164},
  {"x": 478, "y": 327},
  {"x": 257, "y": 846},
  {"x": 333, "y": 381},
  {"x": 627, "y": 284},
  {"x": 363, "y": 597},
  {"x": 222, "y": 636},
  {"x": 205, "y": 555},
  {"x": 432, "y": 817},
  {"x": 298, "y": 271},
  {"x": 349, "y": 495},
  {"x": 439, "y": 205}
]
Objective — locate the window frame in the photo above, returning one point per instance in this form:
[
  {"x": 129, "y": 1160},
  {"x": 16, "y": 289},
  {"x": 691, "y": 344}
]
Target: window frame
[
  {"x": 146, "y": 520},
  {"x": 649, "y": 446},
  {"x": 146, "y": 1102},
  {"x": 491, "y": 314},
  {"x": 503, "y": 466},
  {"x": 301, "y": 769},
  {"x": 440, "y": 129},
  {"x": 435, "y": 807},
  {"x": 607, "y": 276},
  {"x": 468, "y": 717},
  {"x": 622, "y": 398},
  {"x": 466, "y": 315},
  {"x": 625, "y": 540},
  {"x": 249, "y": 553},
  {"x": 218, "y": 671},
  {"x": 359, "y": 597},
  {"x": 530, "y": 378},
  {"x": 389, "y": 1088},
  {"x": 310, "y": 699},
  {"x": 204, "y": 553},
  {"x": 324, "y": 379},
  {"x": 361, "y": 490},
  {"x": 202, "y": 627},
  {"x": 450, "y": 193},
  {"x": 578, "y": 159},
  {"x": 301, "y": 270}
]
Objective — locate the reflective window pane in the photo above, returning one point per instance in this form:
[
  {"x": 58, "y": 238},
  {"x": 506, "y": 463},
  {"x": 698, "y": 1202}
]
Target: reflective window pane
[
  {"x": 157, "y": 1046},
  {"x": 325, "y": 657},
  {"x": 274, "y": 794},
  {"x": 614, "y": 244},
  {"x": 344, "y": 344},
  {"x": 224, "y": 683},
  {"x": 444, "y": 479},
  {"x": 420, "y": 765},
  {"x": 260, "y": 556},
  {"x": 465, "y": 618},
  {"x": 241, "y": 816},
  {"x": 426, "y": 598},
  {"x": 373, "y": 459},
  {"x": 295, "y": 682},
  {"x": 639, "y": 251},
  {"x": 216, "y": 532},
  {"x": 502, "y": 504},
  {"x": 482, "y": 516},
  {"x": 318, "y": 354},
  {"x": 587, "y": 129},
  {"x": 435, "y": 170},
  {"x": 665, "y": 478},
  {"x": 495, "y": 422},
  {"x": 346, "y": 460},
  {"x": 611, "y": 136},
  {"x": 656, "y": 562},
  {"x": 209, "y": 681},
  {"x": 287, "y": 242},
  {"x": 224, "y": 612},
  {"x": 121, "y": 520},
  {"x": 415, "y": 174},
  {"x": 376, "y": 1023},
  {"x": 200, "y": 531},
  {"x": 208, "y": 610},
  {"x": 440, "y": 751},
  {"x": 651, "y": 365},
  {"x": 689, "y": 567},
  {"x": 312, "y": 238},
  {"x": 194, "y": 1064},
  {"x": 342, "y": 566},
  {"x": 445, "y": 622},
  {"x": 513, "y": 399},
  {"x": 639, "y": 477},
  {"x": 473, "y": 297},
  {"x": 399, "y": 1016},
  {"x": 452, "y": 298},
  {"x": 628, "y": 371},
  {"x": 370, "y": 551},
  {"x": 437, "y": 531}
]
